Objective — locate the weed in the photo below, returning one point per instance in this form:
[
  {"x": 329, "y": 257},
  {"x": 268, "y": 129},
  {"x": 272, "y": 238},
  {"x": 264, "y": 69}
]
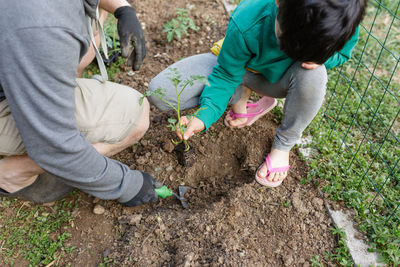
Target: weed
[
  {"x": 114, "y": 62},
  {"x": 34, "y": 233},
  {"x": 342, "y": 254},
  {"x": 357, "y": 133},
  {"x": 179, "y": 25},
  {"x": 277, "y": 111},
  {"x": 111, "y": 35},
  {"x": 286, "y": 203},
  {"x": 179, "y": 85},
  {"x": 315, "y": 261}
]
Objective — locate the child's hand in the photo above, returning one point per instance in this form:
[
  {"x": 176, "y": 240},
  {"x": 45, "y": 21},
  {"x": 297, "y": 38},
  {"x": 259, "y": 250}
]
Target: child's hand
[
  {"x": 309, "y": 65},
  {"x": 194, "y": 125}
]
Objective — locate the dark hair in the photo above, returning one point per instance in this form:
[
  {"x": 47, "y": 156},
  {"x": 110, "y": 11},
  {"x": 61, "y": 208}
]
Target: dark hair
[{"x": 313, "y": 30}]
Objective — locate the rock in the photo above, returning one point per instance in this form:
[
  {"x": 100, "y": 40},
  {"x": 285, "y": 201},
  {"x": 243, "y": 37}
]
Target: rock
[
  {"x": 188, "y": 259},
  {"x": 157, "y": 169},
  {"x": 169, "y": 168},
  {"x": 98, "y": 209},
  {"x": 135, "y": 219},
  {"x": 106, "y": 252}
]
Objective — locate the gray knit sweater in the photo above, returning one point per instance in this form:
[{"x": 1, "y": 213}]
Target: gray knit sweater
[{"x": 41, "y": 44}]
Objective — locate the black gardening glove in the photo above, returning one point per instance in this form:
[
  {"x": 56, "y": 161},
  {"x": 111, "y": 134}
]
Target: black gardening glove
[
  {"x": 130, "y": 31},
  {"x": 146, "y": 193}
]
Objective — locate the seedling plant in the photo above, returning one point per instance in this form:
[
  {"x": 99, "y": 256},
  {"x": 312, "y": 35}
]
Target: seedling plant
[
  {"x": 112, "y": 41},
  {"x": 179, "y": 25},
  {"x": 180, "y": 85}
]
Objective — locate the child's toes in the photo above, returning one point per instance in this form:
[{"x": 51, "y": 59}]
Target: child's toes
[
  {"x": 279, "y": 176},
  {"x": 263, "y": 171},
  {"x": 237, "y": 122},
  {"x": 273, "y": 177}
]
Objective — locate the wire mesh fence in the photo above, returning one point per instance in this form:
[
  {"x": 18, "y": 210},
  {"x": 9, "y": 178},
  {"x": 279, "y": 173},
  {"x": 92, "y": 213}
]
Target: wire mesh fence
[{"x": 359, "y": 130}]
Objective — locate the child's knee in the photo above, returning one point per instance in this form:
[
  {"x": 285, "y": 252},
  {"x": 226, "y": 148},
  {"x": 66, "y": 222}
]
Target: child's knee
[{"x": 311, "y": 83}]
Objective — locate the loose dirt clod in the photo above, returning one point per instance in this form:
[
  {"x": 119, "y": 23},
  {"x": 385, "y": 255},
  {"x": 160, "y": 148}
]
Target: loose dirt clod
[
  {"x": 185, "y": 158},
  {"x": 98, "y": 209}
]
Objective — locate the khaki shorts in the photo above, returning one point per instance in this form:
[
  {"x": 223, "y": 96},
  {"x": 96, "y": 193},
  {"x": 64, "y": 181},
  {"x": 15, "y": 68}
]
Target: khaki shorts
[{"x": 105, "y": 112}]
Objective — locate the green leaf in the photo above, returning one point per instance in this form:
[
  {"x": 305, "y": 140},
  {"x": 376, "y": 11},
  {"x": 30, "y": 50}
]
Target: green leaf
[
  {"x": 172, "y": 127},
  {"x": 178, "y": 33},
  {"x": 172, "y": 120},
  {"x": 170, "y": 36}
]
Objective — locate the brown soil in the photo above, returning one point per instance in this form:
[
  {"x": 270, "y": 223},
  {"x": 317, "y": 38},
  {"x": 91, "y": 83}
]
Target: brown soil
[{"x": 231, "y": 220}]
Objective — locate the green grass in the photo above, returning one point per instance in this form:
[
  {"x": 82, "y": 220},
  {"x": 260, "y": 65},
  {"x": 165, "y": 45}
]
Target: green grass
[
  {"x": 35, "y": 233},
  {"x": 357, "y": 132},
  {"x": 341, "y": 255}
]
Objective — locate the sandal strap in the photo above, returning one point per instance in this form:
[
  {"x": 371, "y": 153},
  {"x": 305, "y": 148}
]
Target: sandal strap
[
  {"x": 273, "y": 170},
  {"x": 251, "y": 104},
  {"x": 245, "y": 115}
]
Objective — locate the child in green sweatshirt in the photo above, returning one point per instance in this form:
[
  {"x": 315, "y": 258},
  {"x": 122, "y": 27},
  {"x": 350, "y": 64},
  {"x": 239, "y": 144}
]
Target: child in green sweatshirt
[{"x": 278, "y": 49}]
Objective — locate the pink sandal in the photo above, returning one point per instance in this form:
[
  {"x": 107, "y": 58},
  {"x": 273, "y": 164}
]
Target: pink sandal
[
  {"x": 263, "y": 180},
  {"x": 254, "y": 111}
]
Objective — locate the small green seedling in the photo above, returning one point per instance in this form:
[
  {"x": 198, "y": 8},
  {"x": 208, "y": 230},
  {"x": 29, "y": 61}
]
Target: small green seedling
[
  {"x": 176, "y": 78},
  {"x": 179, "y": 25},
  {"x": 111, "y": 34}
]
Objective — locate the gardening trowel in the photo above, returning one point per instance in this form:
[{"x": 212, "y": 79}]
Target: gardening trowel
[{"x": 164, "y": 192}]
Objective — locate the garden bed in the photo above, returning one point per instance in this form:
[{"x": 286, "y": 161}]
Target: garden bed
[{"x": 231, "y": 219}]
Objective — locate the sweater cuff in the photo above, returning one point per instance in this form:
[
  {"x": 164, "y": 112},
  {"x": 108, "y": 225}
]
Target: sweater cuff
[{"x": 207, "y": 116}]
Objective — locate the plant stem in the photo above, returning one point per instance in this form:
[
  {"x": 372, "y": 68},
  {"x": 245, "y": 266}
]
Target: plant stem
[
  {"x": 187, "y": 147},
  {"x": 178, "y": 111}
]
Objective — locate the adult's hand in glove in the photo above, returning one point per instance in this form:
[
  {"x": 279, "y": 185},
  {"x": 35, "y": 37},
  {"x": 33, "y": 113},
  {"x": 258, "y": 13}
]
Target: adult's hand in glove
[
  {"x": 130, "y": 31},
  {"x": 146, "y": 193}
]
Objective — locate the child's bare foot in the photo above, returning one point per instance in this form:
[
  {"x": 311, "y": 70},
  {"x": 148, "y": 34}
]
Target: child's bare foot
[
  {"x": 239, "y": 107},
  {"x": 274, "y": 174}
]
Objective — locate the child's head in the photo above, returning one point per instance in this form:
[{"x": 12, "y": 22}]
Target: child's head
[{"x": 313, "y": 30}]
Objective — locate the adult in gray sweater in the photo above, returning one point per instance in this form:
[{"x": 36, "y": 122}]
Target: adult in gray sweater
[{"x": 56, "y": 131}]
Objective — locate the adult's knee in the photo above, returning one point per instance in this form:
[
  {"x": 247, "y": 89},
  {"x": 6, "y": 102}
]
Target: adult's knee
[{"x": 144, "y": 123}]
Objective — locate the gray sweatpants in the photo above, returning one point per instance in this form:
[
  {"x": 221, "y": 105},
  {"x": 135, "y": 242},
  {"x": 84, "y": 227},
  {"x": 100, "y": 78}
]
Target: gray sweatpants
[{"x": 303, "y": 89}]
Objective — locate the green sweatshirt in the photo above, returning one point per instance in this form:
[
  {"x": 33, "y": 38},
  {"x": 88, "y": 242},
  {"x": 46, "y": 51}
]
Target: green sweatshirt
[{"x": 251, "y": 42}]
